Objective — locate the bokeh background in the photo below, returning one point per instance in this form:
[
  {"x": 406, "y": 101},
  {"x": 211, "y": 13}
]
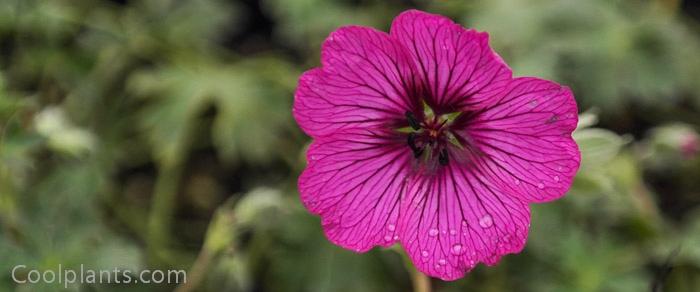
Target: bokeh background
[{"x": 158, "y": 134}]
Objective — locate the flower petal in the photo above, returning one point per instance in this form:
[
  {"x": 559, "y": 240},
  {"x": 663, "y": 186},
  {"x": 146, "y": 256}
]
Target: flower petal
[
  {"x": 526, "y": 140},
  {"x": 457, "y": 67},
  {"x": 366, "y": 79},
  {"x": 456, "y": 218},
  {"x": 354, "y": 181}
]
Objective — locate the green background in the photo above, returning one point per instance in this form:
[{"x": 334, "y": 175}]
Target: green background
[{"x": 158, "y": 134}]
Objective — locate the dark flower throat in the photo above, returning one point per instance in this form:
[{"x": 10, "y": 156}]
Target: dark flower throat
[{"x": 430, "y": 137}]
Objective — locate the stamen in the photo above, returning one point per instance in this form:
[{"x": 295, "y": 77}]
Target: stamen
[
  {"x": 442, "y": 157},
  {"x": 412, "y": 144},
  {"x": 417, "y": 152},
  {"x": 412, "y": 121},
  {"x": 412, "y": 141}
]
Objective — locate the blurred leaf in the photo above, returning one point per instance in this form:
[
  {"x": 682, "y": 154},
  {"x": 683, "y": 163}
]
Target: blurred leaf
[
  {"x": 326, "y": 267},
  {"x": 608, "y": 51},
  {"x": 306, "y": 23},
  {"x": 252, "y": 100},
  {"x": 597, "y": 146}
]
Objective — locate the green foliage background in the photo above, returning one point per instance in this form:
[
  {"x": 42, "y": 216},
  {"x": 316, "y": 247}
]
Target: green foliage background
[{"x": 158, "y": 134}]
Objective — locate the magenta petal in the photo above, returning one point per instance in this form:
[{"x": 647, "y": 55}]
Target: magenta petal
[
  {"x": 456, "y": 218},
  {"x": 526, "y": 138},
  {"x": 457, "y": 67},
  {"x": 354, "y": 181},
  {"x": 365, "y": 81}
]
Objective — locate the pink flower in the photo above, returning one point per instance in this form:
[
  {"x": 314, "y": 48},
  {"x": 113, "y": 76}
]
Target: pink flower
[
  {"x": 690, "y": 145},
  {"x": 422, "y": 137}
]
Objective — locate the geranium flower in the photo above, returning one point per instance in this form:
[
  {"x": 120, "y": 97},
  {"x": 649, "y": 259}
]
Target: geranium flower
[{"x": 422, "y": 137}]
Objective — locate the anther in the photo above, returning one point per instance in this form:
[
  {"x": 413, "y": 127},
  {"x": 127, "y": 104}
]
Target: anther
[
  {"x": 442, "y": 157},
  {"x": 412, "y": 141},
  {"x": 417, "y": 152},
  {"x": 412, "y": 144},
  {"x": 412, "y": 121}
]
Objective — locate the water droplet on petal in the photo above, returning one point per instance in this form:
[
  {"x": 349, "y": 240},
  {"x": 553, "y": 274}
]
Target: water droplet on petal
[
  {"x": 556, "y": 178},
  {"x": 453, "y": 232},
  {"x": 540, "y": 185},
  {"x": 433, "y": 232},
  {"x": 517, "y": 182},
  {"x": 506, "y": 238},
  {"x": 533, "y": 103},
  {"x": 465, "y": 223},
  {"x": 442, "y": 262},
  {"x": 486, "y": 221},
  {"x": 396, "y": 237},
  {"x": 391, "y": 227},
  {"x": 424, "y": 253},
  {"x": 457, "y": 249},
  {"x": 387, "y": 238}
]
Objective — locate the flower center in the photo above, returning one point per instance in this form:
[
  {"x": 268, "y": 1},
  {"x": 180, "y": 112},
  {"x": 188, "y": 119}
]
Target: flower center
[{"x": 430, "y": 137}]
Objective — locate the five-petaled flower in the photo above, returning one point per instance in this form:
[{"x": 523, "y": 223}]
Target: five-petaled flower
[{"x": 422, "y": 137}]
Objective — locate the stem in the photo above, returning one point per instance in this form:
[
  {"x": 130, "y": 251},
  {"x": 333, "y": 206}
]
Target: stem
[
  {"x": 420, "y": 282},
  {"x": 197, "y": 273},
  {"x": 220, "y": 235},
  {"x": 162, "y": 209},
  {"x": 170, "y": 170}
]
